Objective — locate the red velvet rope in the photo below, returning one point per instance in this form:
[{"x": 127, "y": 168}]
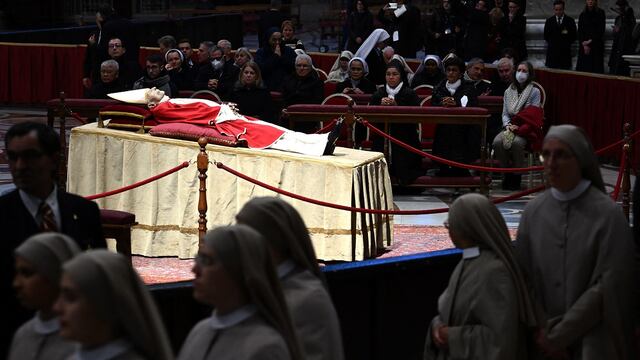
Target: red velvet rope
[
  {"x": 476, "y": 167},
  {"x": 361, "y": 210},
  {"x": 327, "y": 128},
  {"x": 616, "y": 190},
  {"x": 445, "y": 161},
  {"x": 139, "y": 183}
]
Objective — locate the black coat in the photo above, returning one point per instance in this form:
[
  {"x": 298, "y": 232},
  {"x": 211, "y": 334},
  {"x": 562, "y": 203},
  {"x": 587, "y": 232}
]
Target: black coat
[
  {"x": 275, "y": 68},
  {"x": 254, "y": 102},
  {"x": 360, "y": 25},
  {"x": 408, "y": 26},
  {"x": 183, "y": 78},
  {"x": 99, "y": 90},
  {"x": 307, "y": 90},
  {"x": 269, "y": 19},
  {"x": 205, "y": 73},
  {"x": 445, "y": 24},
  {"x": 129, "y": 71},
  {"x": 404, "y": 165},
  {"x": 456, "y": 142},
  {"x": 377, "y": 66},
  {"x": 477, "y": 35},
  {"x": 591, "y": 26},
  {"x": 422, "y": 78},
  {"x": 622, "y": 43},
  {"x": 228, "y": 79},
  {"x": 514, "y": 35},
  {"x": 365, "y": 85},
  {"x": 80, "y": 220},
  {"x": 559, "y": 40}
]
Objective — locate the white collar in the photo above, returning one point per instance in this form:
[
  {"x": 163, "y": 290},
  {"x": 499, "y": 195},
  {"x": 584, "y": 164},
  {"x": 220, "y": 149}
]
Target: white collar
[
  {"x": 105, "y": 352},
  {"x": 392, "y": 92},
  {"x": 218, "y": 322},
  {"x": 452, "y": 87},
  {"x": 471, "y": 252},
  {"x": 32, "y": 203},
  {"x": 45, "y": 327},
  {"x": 582, "y": 186},
  {"x": 285, "y": 268}
]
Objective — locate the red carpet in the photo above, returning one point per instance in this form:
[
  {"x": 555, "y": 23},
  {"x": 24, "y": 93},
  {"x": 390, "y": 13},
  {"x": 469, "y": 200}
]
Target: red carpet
[{"x": 409, "y": 239}]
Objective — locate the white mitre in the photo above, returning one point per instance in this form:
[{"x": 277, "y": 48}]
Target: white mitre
[{"x": 134, "y": 96}]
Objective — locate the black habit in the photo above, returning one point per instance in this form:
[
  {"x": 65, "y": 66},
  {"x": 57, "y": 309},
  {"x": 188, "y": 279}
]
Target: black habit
[{"x": 591, "y": 25}]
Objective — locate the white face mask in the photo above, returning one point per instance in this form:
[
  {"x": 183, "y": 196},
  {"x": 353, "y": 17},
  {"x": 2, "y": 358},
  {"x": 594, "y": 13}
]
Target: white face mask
[
  {"x": 521, "y": 76},
  {"x": 217, "y": 64}
]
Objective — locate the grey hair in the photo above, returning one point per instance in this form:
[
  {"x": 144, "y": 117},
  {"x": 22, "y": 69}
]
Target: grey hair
[
  {"x": 505, "y": 61},
  {"x": 304, "y": 57},
  {"x": 110, "y": 63},
  {"x": 246, "y": 51},
  {"x": 474, "y": 61},
  {"x": 224, "y": 44},
  {"x": 168, "y": 41},
  {"x": 388, "y": 48}
]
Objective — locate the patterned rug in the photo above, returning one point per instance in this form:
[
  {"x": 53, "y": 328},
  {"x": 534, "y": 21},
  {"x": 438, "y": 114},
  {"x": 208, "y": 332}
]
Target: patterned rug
[{"x": 409, "y": 239}]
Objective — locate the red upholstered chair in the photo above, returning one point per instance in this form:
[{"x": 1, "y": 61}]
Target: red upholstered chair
[
  {"x": 126, "y": 117},
  {"x": 424, "y": 90},
  {"x": 207, "y": 95},
  {"x": 321, "y": 74},
  {"x": 337, "y": 99},
  {"x": 117, "y": 225},
  {"x": 330, "y": 87}
]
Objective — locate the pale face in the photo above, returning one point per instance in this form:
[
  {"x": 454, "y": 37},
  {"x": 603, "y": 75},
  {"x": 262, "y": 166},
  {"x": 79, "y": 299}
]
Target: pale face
[
  {"x": 108, "y": 74},
  {"x": 475, "y": 72},
  {"x": 174, "y": 60},
  {"x": 446, "y": 5},
  {"x": 523, "y": 68},
  {"x": 303, "y": 68},
  {"x": 561, "y": 166},
  {"x": 591, "y": 4},
  {"x": 241, "y": 58},
  {"x": 153, "y": 97},
  {"x": 33, "y": 289},
  {"x": 31, "y": 169},
  {"x": 216, "y": 55},
  {"x": 287, "y": 32},
  {"x": 115, "y": 48},
  {"x": 248, "y": 76},
  {"x": 203, "y": 53},
  {"x": 505, "y": 72},
  {"x": 153, "y": 69},
  {"x": 360, "y": 6},
  {"x": 393, "y": 77},
  {"x": 357, "y": 70},
  {"x": 79, "y": 320},
  {"x": 480, "y": 5},
  {"x": 453, "y": 74},
  {"x": 212, "y": 282},
  {"x": 343, "y": 64},
  {"x": 387, "y": 55},
  {"x": 186, "y": 49}
]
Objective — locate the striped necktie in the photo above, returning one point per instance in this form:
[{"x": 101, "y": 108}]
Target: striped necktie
[{"x": 48, "y": 219}]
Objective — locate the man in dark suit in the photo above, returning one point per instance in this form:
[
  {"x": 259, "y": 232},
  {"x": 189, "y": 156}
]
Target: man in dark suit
[
  {"x": 37, "y": 205},
  {"x": 560, "y": 33}
]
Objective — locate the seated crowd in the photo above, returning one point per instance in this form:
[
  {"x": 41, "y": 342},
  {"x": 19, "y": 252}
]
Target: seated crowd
[{"x": 566, "y": 291}]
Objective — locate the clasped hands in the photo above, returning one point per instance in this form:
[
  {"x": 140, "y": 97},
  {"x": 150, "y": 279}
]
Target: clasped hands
[{"x": 388, "y": 101}]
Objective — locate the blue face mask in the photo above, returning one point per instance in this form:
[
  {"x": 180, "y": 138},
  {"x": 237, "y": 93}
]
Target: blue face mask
[{"x": 521, "y": 77}]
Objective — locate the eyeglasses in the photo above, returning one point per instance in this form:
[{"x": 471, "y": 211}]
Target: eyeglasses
[
  {"x": 304, "y": 66},
  {"x": 204, "y": 260},
  {"x": 559, "y": 155},
  {"x": 115, "y": 46},
  {"x": 27, "y": 155}
]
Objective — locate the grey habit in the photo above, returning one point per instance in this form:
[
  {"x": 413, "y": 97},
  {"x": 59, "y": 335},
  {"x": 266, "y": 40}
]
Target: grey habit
[
  {"x": 486, "y": 306},
  {"x": 309, "y": 303},
  {"x": 577, "y": 250},
  {"x": 113, "y": 287},
  {"x": 38, "y": 339},
  {"x": 261, "y": 329}
]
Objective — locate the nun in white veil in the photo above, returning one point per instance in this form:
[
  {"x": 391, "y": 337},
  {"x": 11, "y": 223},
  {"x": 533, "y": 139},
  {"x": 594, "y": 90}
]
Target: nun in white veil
[
  {"x": 37, "y": 282},
  {"x": 105, "y": 307},
  {"x": 371, "y": 51},
  {"x": 340, "y": 69}
]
